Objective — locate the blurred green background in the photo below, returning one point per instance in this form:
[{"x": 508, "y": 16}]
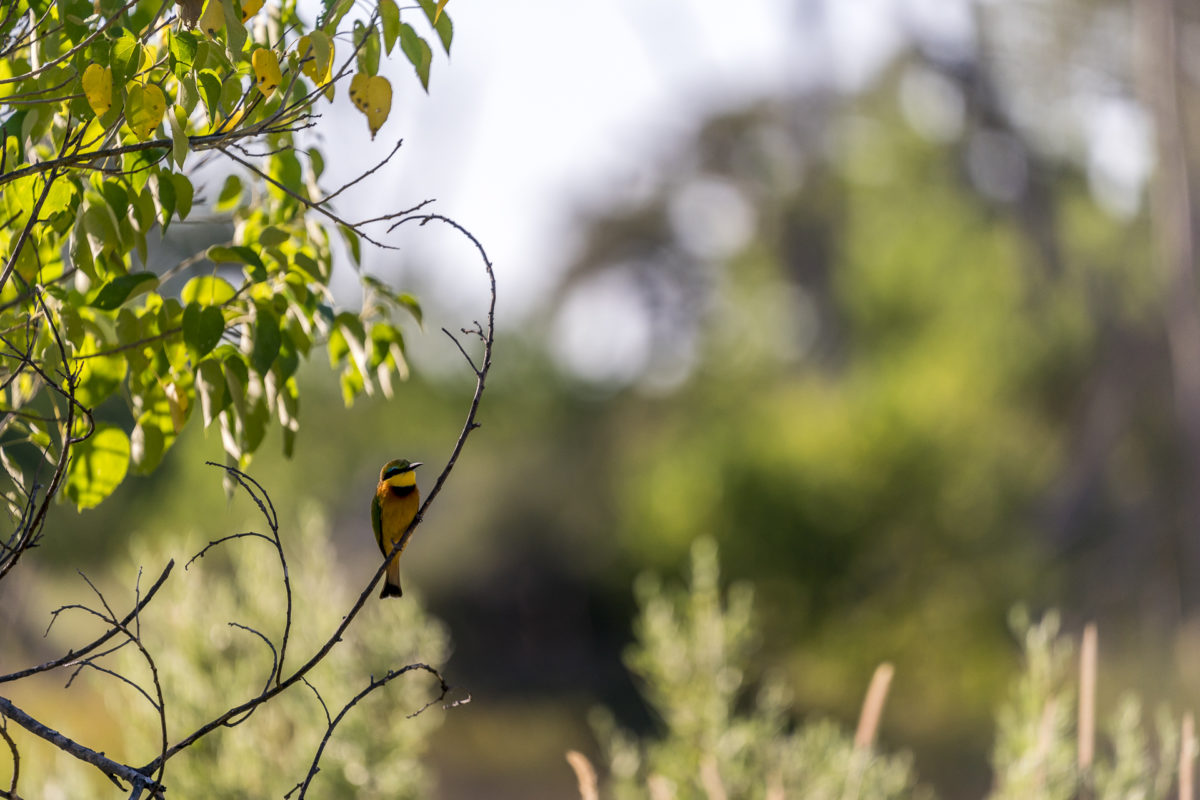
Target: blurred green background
[{"x": 891, "y": 330}]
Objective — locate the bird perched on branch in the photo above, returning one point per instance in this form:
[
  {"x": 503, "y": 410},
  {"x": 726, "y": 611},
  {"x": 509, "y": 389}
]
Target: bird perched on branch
[{"x": 395, "y": 504}]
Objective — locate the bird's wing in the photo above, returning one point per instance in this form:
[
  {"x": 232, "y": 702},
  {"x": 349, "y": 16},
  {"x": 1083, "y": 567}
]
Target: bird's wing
[{"x": 377, "y": 522}]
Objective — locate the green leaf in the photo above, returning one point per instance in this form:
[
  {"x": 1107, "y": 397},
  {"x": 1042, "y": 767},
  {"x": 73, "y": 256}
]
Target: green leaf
[
  {"x": 116, "y": 291},
  {"x": 99, "y": 376},
  {"x": 288, "y": 359},
  {"x": 207, "y": 290},
  {"x": 289, "y": 414},
  {"x": 418, "y": 52},
  {"x": 179, "y": 139},
  {"x": 182, "y": 47},
  {"x": 352, "y": 242},
  {"x": 62, "y": 192},
  {"x": 231, "y": 193},
  {"x": 210, "y": 385},
  {"x": 138, "y": 165},
  {"x": 383, "y": 337},
  {"x": 389, "y": 15},
  {"x": 143, "y": 211},
  {"x": 189, "y": 94},
  {"x": 284, "y": 168},
  {"x": 334, "y": 11},
  {"x": 184, "y": 192},
  {"x": 412, "y": 305},
  {"x": 272, "y": 236},
  {"x": 238, "y": 254},
  {"x": 100, "y": 228},
  {"x": 311, "y": 267},
  {"x": 441, "y": 22},
  {"x": 210, "y": 90},
  {"x": 235, "y": 31},
  {"x": 266, "y": 339},
  {"x": 231, "y": 93},
  {"x": 203, "y": 327},
  {"x": 98, "y": 465},
  {"x": 237, "y": 378},
  {"x": 126, "y": 55},
  {"x": 254, "y": 425},
  {"x": 147, "y": 445},
  {"x": 162, "y": 189}
]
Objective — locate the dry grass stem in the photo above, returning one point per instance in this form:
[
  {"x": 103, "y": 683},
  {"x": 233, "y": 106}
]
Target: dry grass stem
[
  {"x": 1187, "y": 758},
  {"x": 660, "y": 788},
  {"x": 710, "y": 779},
  {"x": 1087, "y": 697},
  {"x": 872, "y": 709},
  {"x": 585, "y": 774}
]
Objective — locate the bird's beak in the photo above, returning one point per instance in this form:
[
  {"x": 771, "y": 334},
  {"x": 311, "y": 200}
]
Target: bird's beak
[{"x": 414, "y": 466}]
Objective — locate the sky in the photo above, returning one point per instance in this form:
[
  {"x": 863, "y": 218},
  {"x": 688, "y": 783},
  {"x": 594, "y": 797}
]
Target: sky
[{"x": 545, "y": 107}]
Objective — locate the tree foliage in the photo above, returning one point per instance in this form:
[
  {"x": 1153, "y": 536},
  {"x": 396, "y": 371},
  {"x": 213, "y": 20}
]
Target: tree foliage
[{"x": 121, "y": 119}]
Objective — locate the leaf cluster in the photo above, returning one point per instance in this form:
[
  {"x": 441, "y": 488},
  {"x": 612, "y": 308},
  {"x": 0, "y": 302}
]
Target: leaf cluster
[{"x": 116, "y": 117}]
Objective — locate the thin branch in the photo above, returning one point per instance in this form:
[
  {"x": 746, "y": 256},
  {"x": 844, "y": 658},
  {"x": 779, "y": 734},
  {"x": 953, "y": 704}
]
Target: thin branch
[
  {"x": 374, "y": 684},
  {"x": 336, "y": 636},
  {"x": 313, "y": 205},
  {"x": 73, "y": 655},
  {"x": 364, "y": 175},
  {"x": 274, "y": 653},
  {"x": 481, "y": 374},
  {"x": 111, "y": 768},
  {"x": 16, "y": 759},
  {"x": 263, "y": 500},
  {"x": 222, "y": 540}
]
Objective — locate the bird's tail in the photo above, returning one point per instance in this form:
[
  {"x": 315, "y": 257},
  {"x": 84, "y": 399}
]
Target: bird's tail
[{"x": 391, "y": 590}]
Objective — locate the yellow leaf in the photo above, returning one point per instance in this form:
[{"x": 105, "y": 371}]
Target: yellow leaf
[
  {"x": 97, "y": 87},
  {"x": 316, "y": 52},
  {"x": 373, "y": 97},
  {"x": 228, "y": 124},
  {"x": 378, "y": 102},
  {"x": 441, "y": 4},
  {"x": 266, "y": 71},
  {"x": 358, "y": 91},
  {"x": 213, "y": 18},
  {"x": 144, "y": 109},
  {"x": 250, "y": 8}
]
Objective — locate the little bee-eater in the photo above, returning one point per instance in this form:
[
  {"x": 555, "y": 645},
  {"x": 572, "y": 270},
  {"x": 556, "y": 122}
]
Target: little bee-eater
[{"x": 395, "y": 504}]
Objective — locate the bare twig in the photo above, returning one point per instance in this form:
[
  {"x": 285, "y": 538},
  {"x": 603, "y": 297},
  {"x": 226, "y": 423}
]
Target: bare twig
[
  {"x": 374, "y": 684},
  {"x": 16, "y": 760},
  {"x": 74, "y": 655}
]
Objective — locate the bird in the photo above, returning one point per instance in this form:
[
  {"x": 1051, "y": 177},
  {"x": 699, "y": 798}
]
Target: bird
[{"x": 392, "y": 510}]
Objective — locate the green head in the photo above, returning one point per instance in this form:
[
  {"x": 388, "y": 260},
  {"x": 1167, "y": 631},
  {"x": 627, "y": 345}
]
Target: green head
[{"x": 396, "y": 467}]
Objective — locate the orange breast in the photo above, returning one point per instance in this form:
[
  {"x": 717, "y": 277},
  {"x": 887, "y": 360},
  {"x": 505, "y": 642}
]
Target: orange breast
[{"x": 395, "y": 514}]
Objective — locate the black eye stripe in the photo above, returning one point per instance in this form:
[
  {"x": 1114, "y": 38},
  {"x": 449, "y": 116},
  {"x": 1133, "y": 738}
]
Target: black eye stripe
[{"x": 393, "y": 471}]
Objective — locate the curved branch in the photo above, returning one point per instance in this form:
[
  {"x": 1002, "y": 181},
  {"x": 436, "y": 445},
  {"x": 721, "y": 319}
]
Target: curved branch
[
  {"x": 16, "y": 759},
  {"x": 259, "y": 495},
  {"x": 376, "y": 683},
  {"x": 488, "y": 335}
]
